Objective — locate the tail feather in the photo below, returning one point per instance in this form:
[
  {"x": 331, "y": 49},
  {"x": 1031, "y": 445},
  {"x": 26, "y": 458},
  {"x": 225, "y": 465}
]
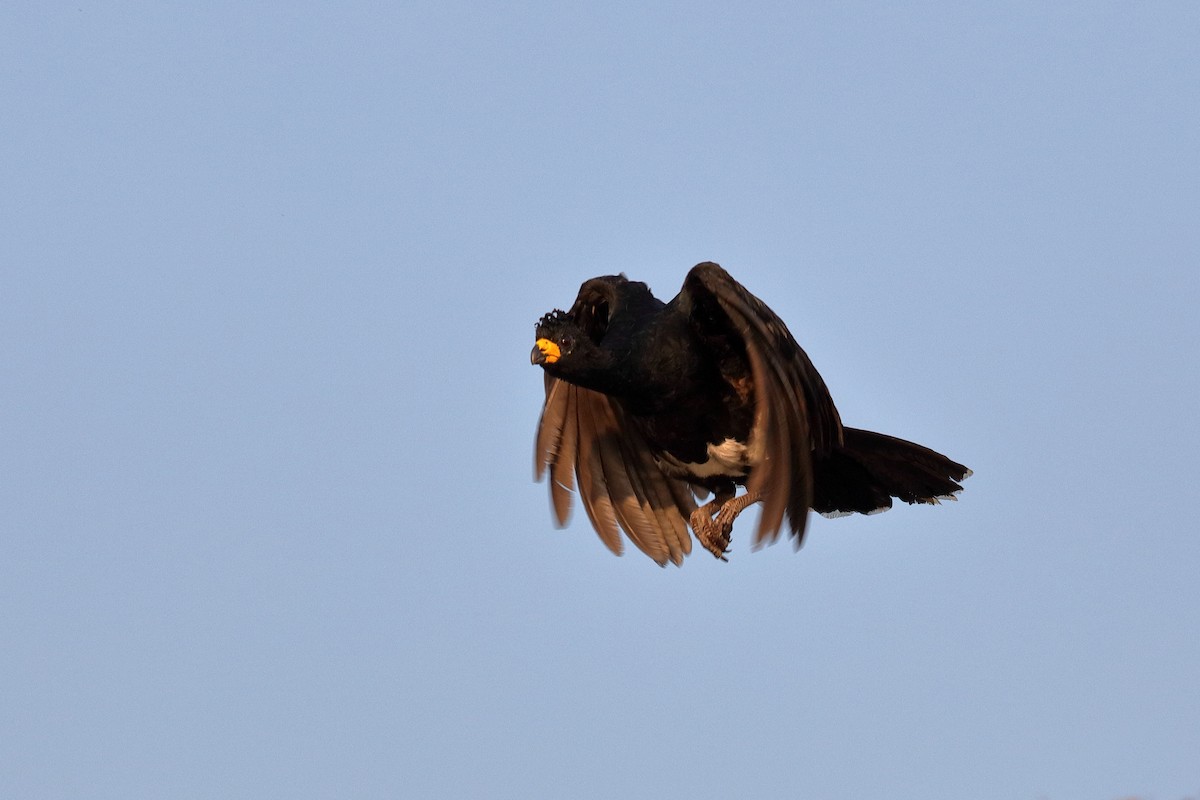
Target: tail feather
[{"x": 870, "y": 469}]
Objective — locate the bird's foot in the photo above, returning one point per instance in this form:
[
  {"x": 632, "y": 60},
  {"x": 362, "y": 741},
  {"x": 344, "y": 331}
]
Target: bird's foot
[
  {"x": 713, "y": 534},
  {"x": 713, "y": 521},
  {"x": 734, "y": 506}
]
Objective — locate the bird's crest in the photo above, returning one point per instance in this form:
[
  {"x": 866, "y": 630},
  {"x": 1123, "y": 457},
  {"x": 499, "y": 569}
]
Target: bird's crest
[{"x": 555, "y": 320}]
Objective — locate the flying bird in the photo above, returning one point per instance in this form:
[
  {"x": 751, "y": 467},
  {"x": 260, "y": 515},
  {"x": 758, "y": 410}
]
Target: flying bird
[{"x": 652, "y": 405}]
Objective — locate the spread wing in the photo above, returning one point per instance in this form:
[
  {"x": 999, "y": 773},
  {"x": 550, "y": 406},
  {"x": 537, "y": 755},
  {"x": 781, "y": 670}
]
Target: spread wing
[
  {"x": 793, "y": 412},
  {"x": 585, "y": 434}
]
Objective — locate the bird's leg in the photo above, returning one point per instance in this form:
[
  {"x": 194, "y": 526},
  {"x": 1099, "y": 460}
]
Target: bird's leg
[
  {"x": 730, "y": 510},
  {"x": 711, "y": 535},
  {"x": 714, "y": 531}
]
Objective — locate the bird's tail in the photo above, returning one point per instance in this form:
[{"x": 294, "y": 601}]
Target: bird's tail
[{"x": 870, "y": 469}]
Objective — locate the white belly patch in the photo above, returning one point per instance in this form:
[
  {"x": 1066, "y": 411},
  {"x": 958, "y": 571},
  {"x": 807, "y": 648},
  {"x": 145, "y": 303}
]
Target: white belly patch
[{"x": 729, "y": 458}]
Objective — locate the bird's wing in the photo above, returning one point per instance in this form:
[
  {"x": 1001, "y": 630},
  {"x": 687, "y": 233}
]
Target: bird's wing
[
  {"x": 583, "y": 434},
  {"x": 794, "y": 413}
]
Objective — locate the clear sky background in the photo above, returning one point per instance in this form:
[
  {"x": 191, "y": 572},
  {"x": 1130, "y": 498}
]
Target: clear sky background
[{"x": 268, "y": 280}]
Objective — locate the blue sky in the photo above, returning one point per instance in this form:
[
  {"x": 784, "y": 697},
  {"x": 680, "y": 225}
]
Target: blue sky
[{"x": 270, "y": 274}]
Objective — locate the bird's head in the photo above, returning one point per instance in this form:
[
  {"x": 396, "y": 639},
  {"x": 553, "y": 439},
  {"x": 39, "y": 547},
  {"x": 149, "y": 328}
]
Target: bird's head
[
  {"x": 558, "y": 338},
  {"x": 578, "y": 346}
]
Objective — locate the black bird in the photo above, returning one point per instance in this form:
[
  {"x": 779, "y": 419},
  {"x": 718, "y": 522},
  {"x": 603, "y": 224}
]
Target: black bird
[{"x": 651, "y": 404}]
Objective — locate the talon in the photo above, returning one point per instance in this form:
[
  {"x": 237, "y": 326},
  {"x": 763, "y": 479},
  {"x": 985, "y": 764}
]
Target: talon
[
  {"x": 714, "y": 531},
  {"x": 712, "y": 534}
]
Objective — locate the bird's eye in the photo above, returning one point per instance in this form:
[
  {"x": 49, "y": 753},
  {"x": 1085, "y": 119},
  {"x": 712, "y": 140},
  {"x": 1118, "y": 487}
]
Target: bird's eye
[{"x": 567, "y": 342}]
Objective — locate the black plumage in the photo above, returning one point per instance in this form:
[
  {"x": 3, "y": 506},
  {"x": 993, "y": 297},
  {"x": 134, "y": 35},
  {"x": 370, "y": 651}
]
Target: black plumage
[{"x": 651, "y": 404}]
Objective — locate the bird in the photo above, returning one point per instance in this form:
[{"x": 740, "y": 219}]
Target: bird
[{"x": 653, "y": 406}]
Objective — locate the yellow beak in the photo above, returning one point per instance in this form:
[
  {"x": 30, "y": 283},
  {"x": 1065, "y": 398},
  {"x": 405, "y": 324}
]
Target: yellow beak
[{"x": 544, "y": 352}]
